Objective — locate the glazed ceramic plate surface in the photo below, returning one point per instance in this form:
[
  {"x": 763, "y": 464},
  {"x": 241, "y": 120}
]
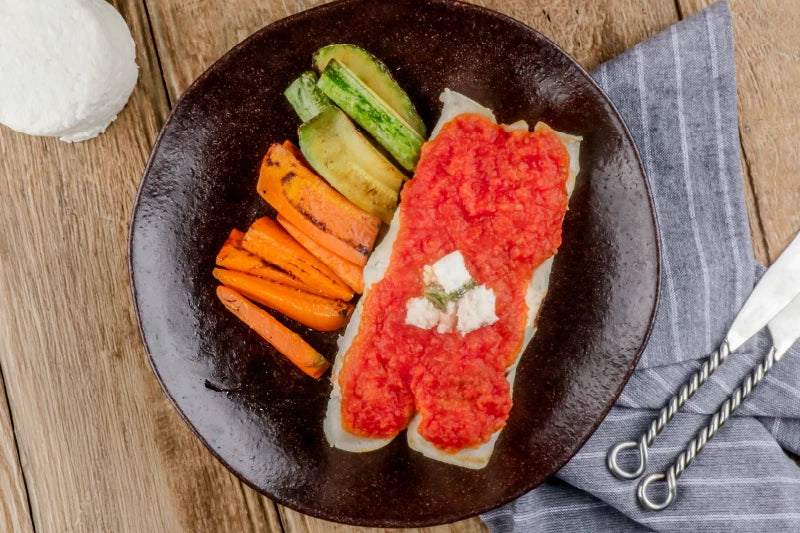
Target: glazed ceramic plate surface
[{"x": 253, "y": 409}]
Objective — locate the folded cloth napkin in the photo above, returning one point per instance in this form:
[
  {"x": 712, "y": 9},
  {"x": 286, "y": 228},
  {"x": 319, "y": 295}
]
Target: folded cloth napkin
[{"x": 677, "y": 94}]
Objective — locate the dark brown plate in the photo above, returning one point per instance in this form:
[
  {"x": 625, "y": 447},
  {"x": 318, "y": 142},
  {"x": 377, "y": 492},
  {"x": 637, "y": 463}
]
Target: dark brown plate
[{"x": 250, "y": 406}]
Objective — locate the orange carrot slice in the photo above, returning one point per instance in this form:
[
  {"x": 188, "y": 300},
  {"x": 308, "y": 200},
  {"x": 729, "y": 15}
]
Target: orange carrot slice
[
  {"x": 289, "y": 145},
  {"x": 233, "y": 257},
  {"x": 308, "y": 202},
  {"x": 269, "y": 241},
  {"x": 282, "y": 338},
  {"x": 350, "y": 273},
  {"x": 322, "y": 314}
]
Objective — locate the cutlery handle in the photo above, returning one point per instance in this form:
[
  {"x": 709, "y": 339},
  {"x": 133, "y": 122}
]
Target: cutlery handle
[
  {"x": 666, "y": 414},
  {"x": 706, "y": 434}
]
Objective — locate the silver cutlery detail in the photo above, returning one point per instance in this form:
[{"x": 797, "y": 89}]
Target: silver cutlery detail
[
  {"x": 776, "y": 289},
  {"x": 785, "y": 330}
]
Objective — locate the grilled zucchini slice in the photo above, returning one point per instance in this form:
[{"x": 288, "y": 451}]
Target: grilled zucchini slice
[
  {"x": 375, "y": 75},
  {"x": 371, "y": 113},
  {"x": 304, "y": 96},
  {"x": 348, "y": 161}
]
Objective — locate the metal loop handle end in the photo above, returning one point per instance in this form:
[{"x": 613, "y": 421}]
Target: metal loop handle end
[
  {"x": 672, "y": 489},
  {"x": 613, "y": 459}
]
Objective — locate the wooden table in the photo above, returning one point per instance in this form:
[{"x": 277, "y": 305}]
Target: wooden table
[{"x": 88, "y": 442}]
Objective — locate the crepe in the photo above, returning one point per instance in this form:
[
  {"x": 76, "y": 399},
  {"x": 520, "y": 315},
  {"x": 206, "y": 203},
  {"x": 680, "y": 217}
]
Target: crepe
[{"x": 454, "y": 104}]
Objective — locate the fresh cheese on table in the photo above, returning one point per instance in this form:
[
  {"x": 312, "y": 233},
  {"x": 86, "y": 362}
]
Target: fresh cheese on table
[{"x": 67, "y": 67}]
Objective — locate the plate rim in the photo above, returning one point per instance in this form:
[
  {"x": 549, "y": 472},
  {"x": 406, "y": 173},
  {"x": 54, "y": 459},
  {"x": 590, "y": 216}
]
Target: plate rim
[{"x": 446, "y": 519}]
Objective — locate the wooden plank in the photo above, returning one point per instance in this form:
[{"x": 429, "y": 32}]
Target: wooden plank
[
  {"x": 767, "y": 46},
  {"x": 298, "y": 522},
  {"x": 100, "y": 445},
  {"x": 14, "y": 512},
  {"x": 591, "y": 31},
  {"x": 177, "y": 23}
]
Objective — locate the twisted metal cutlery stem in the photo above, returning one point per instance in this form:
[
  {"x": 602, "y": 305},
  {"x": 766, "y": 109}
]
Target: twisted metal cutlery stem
[
  {"x": 706, "y": 434},
  {"x": 666, "y": 414},
  {"x": 687, "y": 391}
]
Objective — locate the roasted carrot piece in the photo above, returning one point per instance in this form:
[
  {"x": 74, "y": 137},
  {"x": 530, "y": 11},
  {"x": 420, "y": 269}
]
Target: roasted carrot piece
[
  {"x": 282, "y": 338},
  {"x": 269, "y": 241},
  {"x": 295, "y": 151},
  {"x": 235, "y": 237},
  {"x": 350, "y": 273},
  {"x": 308, "y": 202},
  {"x": 322, "y": 314},
  {"x": 233, "y": 257}
]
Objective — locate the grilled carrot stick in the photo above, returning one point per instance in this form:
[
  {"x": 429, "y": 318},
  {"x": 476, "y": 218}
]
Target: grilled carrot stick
[
  {"x": 289, "y": 145},
  {"x": 282, "y": 338},
  {"x": 233, "y": 257},
  {"x": 314, "y": 311},
  {"x": 269, "y": 241},
  {"x": 350, "y": 273},
  {"x": 308, "y": 202}
]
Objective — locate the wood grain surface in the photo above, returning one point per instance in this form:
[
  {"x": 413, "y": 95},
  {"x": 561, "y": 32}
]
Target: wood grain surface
[
  {"x": 95, "y": 445},
  {"x": 101, "y": 447},
  {"x": 14, "y": 511}
]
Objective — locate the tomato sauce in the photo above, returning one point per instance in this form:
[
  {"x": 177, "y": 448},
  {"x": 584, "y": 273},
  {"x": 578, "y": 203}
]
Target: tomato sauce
[{"x": 499, "y": 198}]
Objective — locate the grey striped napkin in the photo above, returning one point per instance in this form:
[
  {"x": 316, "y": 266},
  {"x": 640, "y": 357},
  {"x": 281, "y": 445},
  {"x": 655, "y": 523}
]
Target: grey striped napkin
[{"x": 677, "y": 94}]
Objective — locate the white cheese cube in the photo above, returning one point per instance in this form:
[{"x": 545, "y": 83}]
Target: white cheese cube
[
  {"x": 476, "y": 309},
  {"x": 451, "y": 272},
  {"x": 448, "y": 318},
  {"x": 421, "y": 313}
]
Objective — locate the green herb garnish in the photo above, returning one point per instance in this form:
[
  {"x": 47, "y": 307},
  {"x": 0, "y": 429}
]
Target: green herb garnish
[
  {"x": 435, "y": 294},
  {"x": 461, "y": 291}
]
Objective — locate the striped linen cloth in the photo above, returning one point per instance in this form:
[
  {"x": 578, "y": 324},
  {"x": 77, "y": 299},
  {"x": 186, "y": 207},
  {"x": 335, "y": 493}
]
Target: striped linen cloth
[{"x": 677, "y": 94}]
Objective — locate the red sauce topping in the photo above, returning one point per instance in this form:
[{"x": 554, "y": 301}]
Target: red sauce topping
[{"x": 499, "y": 198}]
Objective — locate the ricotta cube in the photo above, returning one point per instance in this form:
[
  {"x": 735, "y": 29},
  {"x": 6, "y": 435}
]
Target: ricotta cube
[
  {"x": 451, "y": 272},
  {"x": 421, "y": 313},
  {"x": 476, "y": 309},
  {"x": 448, "y": 318}
]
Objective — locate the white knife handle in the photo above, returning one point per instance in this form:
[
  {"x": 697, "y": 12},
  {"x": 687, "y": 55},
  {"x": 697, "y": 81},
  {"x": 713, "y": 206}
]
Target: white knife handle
[
  {"x": 706, "y": 434},
  {"x": 666, "y": 414}
]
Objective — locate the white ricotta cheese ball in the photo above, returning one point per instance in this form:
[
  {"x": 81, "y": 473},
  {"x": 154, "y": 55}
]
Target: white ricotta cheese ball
[{"x": 67, "y": 67}]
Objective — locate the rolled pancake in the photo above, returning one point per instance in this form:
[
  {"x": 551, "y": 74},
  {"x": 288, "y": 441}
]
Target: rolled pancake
[{"x": 454, "y": 104}]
